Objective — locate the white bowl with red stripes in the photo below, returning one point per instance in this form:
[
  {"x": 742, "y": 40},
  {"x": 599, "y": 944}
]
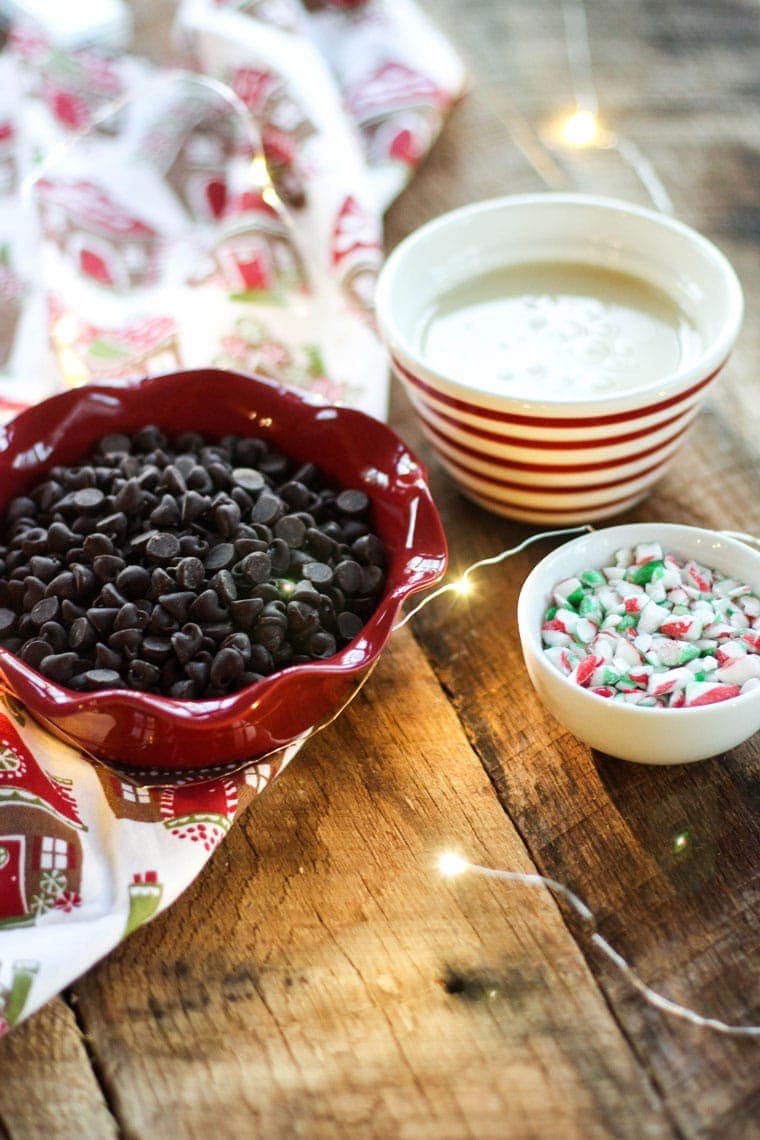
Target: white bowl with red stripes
[
  {"x": 632, "y": 732},
  {"x": 556, "y": 461}
]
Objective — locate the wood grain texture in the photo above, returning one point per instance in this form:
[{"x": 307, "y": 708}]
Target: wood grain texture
[
  {"x": 311, "y": 999},
  {"x": 319, "y": 979},
  {"x": 47, "y": 1084}
]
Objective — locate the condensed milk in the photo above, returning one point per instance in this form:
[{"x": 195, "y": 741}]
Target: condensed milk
[{"x": 556, "y": 330}]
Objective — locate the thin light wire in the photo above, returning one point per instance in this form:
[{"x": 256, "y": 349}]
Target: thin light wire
[
  {"x": 579, "y": 56},
  {"x": 493, "y": 560},
  {"x": 664, "y": 1004}
]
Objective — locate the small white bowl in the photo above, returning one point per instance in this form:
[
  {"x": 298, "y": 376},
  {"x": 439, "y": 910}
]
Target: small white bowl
[
  {"x": 644, "y": 735},
  {"x": 552, "y": 460}
]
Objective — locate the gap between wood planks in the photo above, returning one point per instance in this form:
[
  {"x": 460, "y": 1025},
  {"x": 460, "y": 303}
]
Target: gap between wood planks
[
  {"x": 590, "y": 957},
  {"x": 70, "y": 999}
]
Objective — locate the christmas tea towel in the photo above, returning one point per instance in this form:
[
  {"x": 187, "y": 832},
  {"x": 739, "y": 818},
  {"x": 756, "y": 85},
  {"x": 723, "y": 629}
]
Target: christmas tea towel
[
  {"x": 226, "y": 214},
  {"x": 167, "y": 237}
]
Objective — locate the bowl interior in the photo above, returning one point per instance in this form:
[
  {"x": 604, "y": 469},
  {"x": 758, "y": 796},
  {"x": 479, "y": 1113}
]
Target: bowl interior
[
  {"x": 350, "y": 448},
  {"x": 709, "y": 548},
  {"x": 561, "y": 227}
]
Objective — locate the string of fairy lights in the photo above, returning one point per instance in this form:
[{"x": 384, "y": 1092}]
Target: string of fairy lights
[{"x": 582, "y": 128}]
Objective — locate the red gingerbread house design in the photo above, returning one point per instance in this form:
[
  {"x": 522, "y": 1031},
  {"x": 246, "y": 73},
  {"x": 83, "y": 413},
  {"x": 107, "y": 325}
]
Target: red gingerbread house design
[
  {"x": 197, "y": 171},
  {"x": 356, "y": 252},
  {"x": 40, "y": 848},
  {"x": 144, "y": 348},
  {"x": 398, "y": 111},
  {"x": 283, "y": 124},
  {"x": 101, "y": 239},
  {"x": 255, "y": 253},
  {"x": 201, "y": 813},
  {"x": 7, "y": 157}
]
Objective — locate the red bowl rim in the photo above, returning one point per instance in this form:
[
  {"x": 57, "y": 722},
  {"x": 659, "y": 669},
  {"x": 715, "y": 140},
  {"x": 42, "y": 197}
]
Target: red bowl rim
[{"x": 421, "y": 569}]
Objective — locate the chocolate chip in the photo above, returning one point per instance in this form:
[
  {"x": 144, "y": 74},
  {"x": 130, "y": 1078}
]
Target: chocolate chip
[
  {"x": 103, "y": 679},
  {"x": 178, "y": 604},
  {"x": 59, "y": 666},
  {"x": 142, "y": 674},
  {"x": 7, "y": 621},
  {"x": 319, "y": 573},
  {"x": 198, "y": 673},
  {"x": 227, "y": 518},
  {"x": 162, "y": 622},
  {"x": 266, "y": 509},
  {"x": 228, "y": 664},
  {"x": 82, "y": 635},
  {"x": 369, "y": 549},
  {"x": 206, "y": 608},
  {"x": 279, "y": 557},
  {"x": 220, "y": 557},
  {"x": 97, "y": 543},
  {"x": 55, "y": 635},
  {"x": 248, "y": 478},
  {"x": 107, "y": 566},
  {"x": 44, "y": 568},
  {"x": 245, "y": 611},
  {"x": 348, "y": 575},
  {"x": 115, "y": 444},
  {"x": 133, "y": 582},
  {"x": 167, "y": 513},
  {"x": 103, "y": 618},
  {"x": 349, "y": 625},
  {"x": 256, "y": 567},
  {"x": 88, "y": 499},
  {"x": 162, "y": 547},
  {"x": 45, "y": 610},
  {"x": 319, "y": 545},
  {"x": 106, "y": 658},
  {"x": 322, "y": 644},
  {"x": 156, "y": 649},
  {"x": 126, "y": 641},
  {"x": 190, "y": 573},
  {"x": 34, "y": 651},
  {"x": 223, "y": 585},
  {"x": 59, "y": 537},
  {"x": 291, "y": 530},
  {"x": 187, "y": 642}
]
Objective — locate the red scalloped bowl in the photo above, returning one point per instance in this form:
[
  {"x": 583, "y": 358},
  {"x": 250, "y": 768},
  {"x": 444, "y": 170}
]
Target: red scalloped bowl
[{"x": 140, "y": 731}]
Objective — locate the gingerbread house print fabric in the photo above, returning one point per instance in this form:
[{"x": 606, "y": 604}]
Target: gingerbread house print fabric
[
  {"x": 229, "y": 215},
  {"x": 186, "y": 208},
  {"x": 87, "y": 856}
]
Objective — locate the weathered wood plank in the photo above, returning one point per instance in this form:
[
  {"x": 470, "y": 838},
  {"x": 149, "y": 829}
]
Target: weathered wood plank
[
  {"x": 47, "y": 1087},
  {"x": 687, "y": 916},
  {"x": 299, "y": 988}
]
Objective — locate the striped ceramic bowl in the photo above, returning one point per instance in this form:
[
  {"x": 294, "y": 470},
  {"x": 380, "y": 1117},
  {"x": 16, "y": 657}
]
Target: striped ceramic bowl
[{"x": 552, "y": 460}]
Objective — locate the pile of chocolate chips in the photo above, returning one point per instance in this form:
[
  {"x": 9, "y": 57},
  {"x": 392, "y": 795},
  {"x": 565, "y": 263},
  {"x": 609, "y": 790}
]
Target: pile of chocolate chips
[{"x": 189, "y": 568}]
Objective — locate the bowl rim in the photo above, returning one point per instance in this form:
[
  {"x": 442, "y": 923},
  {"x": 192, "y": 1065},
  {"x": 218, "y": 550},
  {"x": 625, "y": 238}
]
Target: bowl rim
[
  {"x": 55, "y": 700},
  {"x": 679, "y": 384},
  {"x": 637, "y": 532}
]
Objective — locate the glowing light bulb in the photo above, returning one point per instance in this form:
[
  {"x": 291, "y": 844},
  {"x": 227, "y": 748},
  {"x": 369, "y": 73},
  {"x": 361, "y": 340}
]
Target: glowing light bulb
[
  {"x": 259, "y": 171},
  {"x": 463, "y": 587},
  {"x": 450, "y": 864},
  {"x": 580, "y": 129},
  {"x": 65, "y": 330},
  {"x": 72, "y": 367}
]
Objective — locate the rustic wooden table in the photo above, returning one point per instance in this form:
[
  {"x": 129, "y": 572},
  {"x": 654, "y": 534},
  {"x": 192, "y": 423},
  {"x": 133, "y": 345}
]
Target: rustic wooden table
[{"x": 320, "y": 979}]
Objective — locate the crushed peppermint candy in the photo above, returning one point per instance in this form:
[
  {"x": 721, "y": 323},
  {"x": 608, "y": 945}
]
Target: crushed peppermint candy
[{"x": 655, "y": 631}]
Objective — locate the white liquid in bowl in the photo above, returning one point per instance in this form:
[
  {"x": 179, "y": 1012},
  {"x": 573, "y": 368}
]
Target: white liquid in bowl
[{"x": 558, "y": 331}]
